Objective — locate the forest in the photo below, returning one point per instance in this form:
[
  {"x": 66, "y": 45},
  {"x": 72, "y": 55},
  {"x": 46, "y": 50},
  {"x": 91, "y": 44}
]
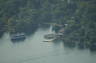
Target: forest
[{"x": 26, "y": 16}]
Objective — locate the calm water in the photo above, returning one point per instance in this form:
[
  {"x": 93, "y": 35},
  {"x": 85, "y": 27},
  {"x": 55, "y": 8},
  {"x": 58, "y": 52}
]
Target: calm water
[{"x": 34, "y": 50}]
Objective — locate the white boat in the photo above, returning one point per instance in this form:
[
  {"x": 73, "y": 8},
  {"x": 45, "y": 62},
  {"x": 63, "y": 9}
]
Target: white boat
[
  {"x": 50, "y": 36},
  {"x": 49, "y": 40}
]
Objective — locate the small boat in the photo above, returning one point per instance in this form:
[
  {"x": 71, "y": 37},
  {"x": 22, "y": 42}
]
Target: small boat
[
  {"x": 17, "y": 36},
  {"x": 50, "y": 40},
  {"x": 50, "y": 36}
]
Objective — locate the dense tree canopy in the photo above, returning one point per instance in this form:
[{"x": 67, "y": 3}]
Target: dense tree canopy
[{"x": 80, "y": 15}]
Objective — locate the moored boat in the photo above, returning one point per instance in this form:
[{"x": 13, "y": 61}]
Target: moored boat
[
  {"x": 17, "y": 36},
  {"x": 49, "y": 40},
  {"x": 50, "y": 36}
]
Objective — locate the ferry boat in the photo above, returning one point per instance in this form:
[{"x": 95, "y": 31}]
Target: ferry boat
[{"x": 17, "y": 36}]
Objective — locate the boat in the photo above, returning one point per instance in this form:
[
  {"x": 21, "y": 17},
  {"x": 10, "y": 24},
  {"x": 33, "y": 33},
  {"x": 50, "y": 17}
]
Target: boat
[
  {"x": 50, "y": 36},
  {"x": 49, "y": 40},
  {"x": 17, "y": 36}
]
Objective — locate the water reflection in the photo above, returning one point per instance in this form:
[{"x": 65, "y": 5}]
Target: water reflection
[
  {"x": 69, "y": 45},
  {"x": 34, "y": 50}
]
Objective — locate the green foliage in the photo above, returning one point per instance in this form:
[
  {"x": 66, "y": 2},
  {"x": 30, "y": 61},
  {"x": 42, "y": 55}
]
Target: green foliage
[{"x": 80, "y": 15}]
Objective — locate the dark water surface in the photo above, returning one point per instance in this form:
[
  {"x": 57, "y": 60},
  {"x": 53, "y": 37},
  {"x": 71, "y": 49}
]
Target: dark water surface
[{"x": 34, "y": 50}]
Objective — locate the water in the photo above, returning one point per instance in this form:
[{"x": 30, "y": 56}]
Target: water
[{"x": 34, "y": 50}]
